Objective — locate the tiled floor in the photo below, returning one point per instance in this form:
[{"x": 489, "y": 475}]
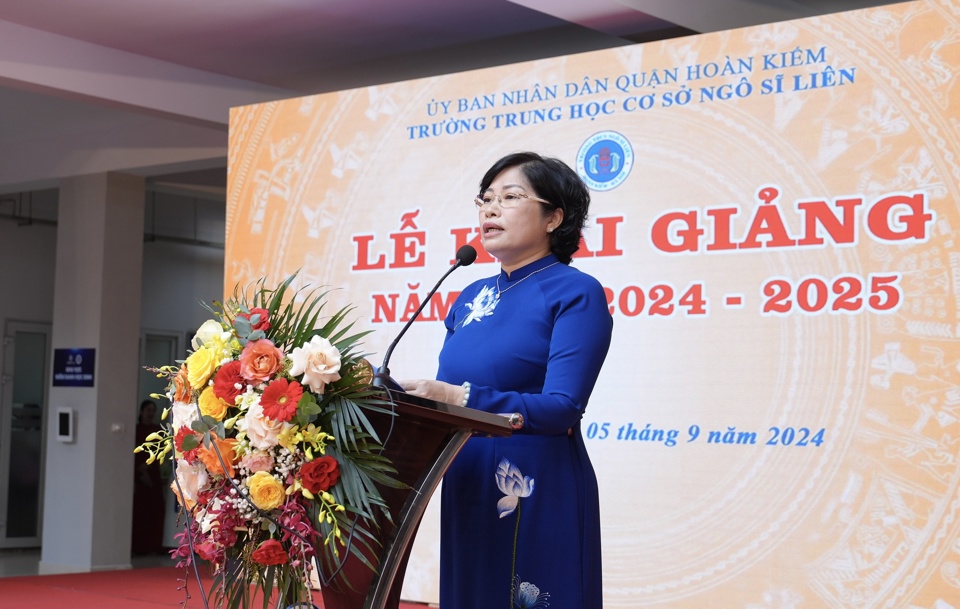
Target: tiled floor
[{"x": 26, "y": 562}]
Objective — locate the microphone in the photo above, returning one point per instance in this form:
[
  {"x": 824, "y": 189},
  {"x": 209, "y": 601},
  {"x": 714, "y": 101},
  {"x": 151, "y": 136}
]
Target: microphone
[{"x": 466, "y": 255}]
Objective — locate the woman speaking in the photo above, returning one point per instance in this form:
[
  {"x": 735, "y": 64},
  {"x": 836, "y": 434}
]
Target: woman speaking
[{"x": 520, "y": 516}]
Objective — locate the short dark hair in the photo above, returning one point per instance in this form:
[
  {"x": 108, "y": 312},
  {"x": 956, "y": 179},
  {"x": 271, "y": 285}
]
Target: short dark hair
[{"x": 556, "y": 182}]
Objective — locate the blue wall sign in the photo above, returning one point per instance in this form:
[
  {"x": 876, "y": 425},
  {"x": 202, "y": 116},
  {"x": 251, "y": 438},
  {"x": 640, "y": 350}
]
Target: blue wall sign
[{"x": 73, "y": 367}]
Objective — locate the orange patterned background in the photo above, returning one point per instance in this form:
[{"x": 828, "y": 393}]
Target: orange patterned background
[{"x": 815, "y": 425}]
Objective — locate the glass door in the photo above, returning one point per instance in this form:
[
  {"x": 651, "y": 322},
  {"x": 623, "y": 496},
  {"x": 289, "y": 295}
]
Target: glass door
[
  {"x": 157, "y": 348},
  {"x": 23, "y": 416}
]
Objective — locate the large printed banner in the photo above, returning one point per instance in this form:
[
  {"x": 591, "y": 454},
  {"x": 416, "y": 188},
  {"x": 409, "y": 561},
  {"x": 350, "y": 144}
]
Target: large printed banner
[{"x": 775, "y": 218}]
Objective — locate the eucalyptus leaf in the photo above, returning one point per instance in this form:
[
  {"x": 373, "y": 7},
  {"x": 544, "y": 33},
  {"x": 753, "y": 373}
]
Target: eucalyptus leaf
[
  {"x": 242, "y": 325},
  {"x": 190, "y": 441},
  {"x": 200, "y": 426}
]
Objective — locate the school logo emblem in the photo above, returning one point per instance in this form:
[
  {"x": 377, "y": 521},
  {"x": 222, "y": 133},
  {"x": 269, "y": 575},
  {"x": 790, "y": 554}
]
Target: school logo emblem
[{"x": 604, "y": 160}]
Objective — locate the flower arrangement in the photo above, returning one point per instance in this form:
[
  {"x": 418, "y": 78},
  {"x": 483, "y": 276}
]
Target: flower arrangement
[{"x": 276, "y": 463}]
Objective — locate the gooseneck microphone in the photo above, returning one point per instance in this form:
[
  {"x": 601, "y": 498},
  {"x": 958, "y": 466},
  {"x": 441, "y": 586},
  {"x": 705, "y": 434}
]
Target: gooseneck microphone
[{"x": 466, "y": 255}]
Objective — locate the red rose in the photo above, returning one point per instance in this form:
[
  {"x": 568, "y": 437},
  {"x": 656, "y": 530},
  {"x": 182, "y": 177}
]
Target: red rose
[
  {"x": 320, "y": 474},
  {"x": 226, "y": 380},
  {"x": 280, "y": 398},
  {"x": 270, "y": 552},
  {"x": 262, "y": 323}
]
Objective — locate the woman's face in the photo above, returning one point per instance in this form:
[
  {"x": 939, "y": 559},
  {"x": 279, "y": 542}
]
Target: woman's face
[{"x": 516, "y": 235}]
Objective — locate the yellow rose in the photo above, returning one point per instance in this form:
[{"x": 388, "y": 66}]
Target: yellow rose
[
  {"x": 266, "y": 492},
  {"x": 211, "y": 405},
  {"x": 200, "y": 366}
]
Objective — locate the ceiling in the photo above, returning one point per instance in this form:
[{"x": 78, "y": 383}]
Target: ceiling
[{"x": 145, "y": 87}]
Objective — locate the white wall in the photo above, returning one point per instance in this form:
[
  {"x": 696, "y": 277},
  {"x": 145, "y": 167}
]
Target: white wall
[
  {"x": 176, "y": 276},
  {"x": 27, "y": 259}
]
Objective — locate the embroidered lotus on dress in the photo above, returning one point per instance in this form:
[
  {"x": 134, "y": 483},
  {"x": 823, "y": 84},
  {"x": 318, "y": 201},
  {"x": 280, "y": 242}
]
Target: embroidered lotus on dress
[
  {"x": 514, "y": 485},
  {"x": 483, "y": 305},
  {"x": 528, "y": 596}
]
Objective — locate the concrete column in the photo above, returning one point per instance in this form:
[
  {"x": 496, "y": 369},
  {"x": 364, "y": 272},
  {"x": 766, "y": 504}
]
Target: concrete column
[{"x": 88, "y": 493}]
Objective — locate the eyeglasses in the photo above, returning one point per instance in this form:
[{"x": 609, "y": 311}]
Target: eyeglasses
[{"x": 507, "y": 200}]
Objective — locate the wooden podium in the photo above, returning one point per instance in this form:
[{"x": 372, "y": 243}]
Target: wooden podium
[{"x": 421, "y": 440}]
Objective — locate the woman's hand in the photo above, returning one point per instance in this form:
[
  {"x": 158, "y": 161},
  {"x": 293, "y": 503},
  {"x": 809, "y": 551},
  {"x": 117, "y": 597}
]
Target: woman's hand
[{"x": 435, "y": 390}]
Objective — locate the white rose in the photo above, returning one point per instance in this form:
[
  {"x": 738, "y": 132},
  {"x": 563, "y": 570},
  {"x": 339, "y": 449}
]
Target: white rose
[
  {"x": 210, "y": 333},
  {"x": 261, "y": 431},
  {"x": 192, "y": 479},
  {"x": 318, "y": 361},
  {"x": 184, "y": 414}
]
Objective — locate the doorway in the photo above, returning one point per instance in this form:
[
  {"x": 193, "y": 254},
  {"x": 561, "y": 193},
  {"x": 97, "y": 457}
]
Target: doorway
[
  {"x": 23, "y": 421},
  {"x": 157, "y": 348}
]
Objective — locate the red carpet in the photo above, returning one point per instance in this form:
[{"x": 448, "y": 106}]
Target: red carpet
[{"x": 131, "y": 589}]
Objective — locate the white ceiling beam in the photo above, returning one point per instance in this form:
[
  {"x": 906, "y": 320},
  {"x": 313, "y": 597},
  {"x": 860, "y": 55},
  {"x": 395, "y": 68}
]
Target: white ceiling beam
[
  {"x": 624, "y": 17},
  {"x": 716, "y": 15},
  {"x": 608, "y": 16},
  {"x": 35, "y": 60},
  {"x": 130, "y": 143}
]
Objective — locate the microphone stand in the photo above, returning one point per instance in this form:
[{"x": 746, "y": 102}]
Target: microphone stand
[{"x": 381, "y": 378}]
